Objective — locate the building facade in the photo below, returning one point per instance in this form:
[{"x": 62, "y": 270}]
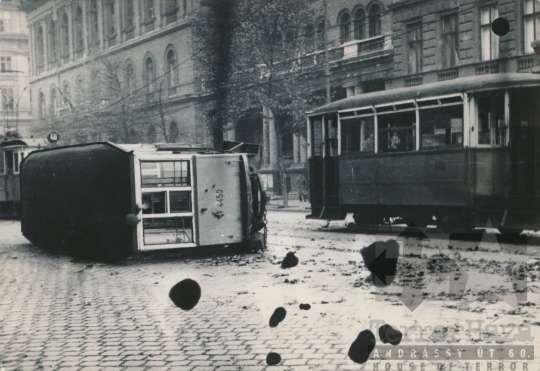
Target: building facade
[
  {"x": 442, "y": 40},
  {"x": 15, "y": 111},
  {"x": 88, "y": 54}
]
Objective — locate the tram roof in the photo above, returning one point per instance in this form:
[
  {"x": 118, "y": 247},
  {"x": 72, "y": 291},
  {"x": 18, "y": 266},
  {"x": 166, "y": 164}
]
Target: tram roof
[
  {"x": 459, "y": 85},
  {"x": 31, "y": 143}
]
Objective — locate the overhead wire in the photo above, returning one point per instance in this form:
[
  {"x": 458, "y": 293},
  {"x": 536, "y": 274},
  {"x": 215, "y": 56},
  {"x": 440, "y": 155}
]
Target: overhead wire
[{"x": 311, "y": 69}]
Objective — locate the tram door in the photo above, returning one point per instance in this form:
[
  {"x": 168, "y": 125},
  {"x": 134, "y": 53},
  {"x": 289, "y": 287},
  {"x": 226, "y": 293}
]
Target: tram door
[
  {"x": 524, "y": 143},
  {"x": 323, "y": 167}
]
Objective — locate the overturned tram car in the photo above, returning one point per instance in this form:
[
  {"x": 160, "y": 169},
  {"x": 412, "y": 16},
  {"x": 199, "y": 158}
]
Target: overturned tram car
[
  {"x": 459, "y": 154},
  {"x": 112, "y": 200}
]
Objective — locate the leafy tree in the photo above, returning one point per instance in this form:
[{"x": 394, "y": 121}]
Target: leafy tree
[{"x": 256, "y": 63}]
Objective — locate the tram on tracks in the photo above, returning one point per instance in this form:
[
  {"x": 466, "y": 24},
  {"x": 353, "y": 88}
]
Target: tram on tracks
[
  {"x": 12, "y": 153},
  {"x": 459, "y": 154},
  {"x": 111, "y": 200}
]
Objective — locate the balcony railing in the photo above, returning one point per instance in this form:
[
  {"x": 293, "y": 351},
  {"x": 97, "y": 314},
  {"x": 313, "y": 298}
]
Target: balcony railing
[
  {"x": 447, "y": 75},
  {"x": 487, "y": 68},
  {"x": 413, "y": 80},
  {"x": 357, "y": 48},
  {"x": 526, "y": 63}
]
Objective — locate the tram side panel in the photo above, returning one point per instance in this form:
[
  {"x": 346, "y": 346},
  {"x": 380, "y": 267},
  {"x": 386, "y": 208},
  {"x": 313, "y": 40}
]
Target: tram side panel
[
  {"x": 417, "y": 179},
  {"x": 81, "y": 193}
]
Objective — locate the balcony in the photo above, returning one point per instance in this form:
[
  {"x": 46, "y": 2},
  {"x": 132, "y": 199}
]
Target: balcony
[{"x": 357, "y": 48}]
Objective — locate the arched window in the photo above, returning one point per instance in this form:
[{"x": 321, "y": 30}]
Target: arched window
[
  {"x": 173, "y": 132},
  {"x": 78, "y": 30},
  {"x": 345, "y": 28},
  {"x": 151, "y": 134},
  {"x": 93, "y": 23},
  {"x": 40, "y": 52},
  {"x": 359, "y": 24},
  {"x": 172, "y": 72},
  {"x": 42, "y": 112},
  {"x": 64, "y": 35},
  {"x": 278, "y": 38},
  {"x": 309, "y": 35},
  {"x": 66, "y": 94},
  {"x": 130, "y": 78},
  {"x": 149, "y": 74},
  {"x": 289, "y": 37},
  {"x": 52, "y": 41},
  {"x": 375, "y": 20},
  {"x": 134, "y": 136},
  {"x": 320, "y": 34},
  {"x": 79, "y": 86},
  {"x": 54, "y": 102}
]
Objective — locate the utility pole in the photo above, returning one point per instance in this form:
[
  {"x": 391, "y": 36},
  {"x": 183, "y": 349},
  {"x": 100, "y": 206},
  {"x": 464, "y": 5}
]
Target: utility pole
[
  {"x": 327, "y": 61},
  {"x": 17, "y": 110}
]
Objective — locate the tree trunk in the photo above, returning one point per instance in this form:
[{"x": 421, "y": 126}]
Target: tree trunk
[
  {"x": 281, "y": 165},
  {"x": 283, "y": 176}
]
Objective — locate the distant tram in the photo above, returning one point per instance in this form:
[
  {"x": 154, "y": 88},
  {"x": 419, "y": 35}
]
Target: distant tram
[
  {"x": 110, "y": 200},
  {"x": 12, "y": 152},
  {"x": 459, "y": 154}
]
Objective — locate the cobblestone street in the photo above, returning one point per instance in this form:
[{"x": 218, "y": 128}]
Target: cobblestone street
[{"x": 57, "y": 312}]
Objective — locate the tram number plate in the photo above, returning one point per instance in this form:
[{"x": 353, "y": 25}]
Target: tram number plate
[
  {"x": 440, "y": 166},
  {"x": 219, "y": 197}
]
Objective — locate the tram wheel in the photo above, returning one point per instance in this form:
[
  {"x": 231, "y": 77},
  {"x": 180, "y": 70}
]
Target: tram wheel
[{"x": 510, "y": 231}]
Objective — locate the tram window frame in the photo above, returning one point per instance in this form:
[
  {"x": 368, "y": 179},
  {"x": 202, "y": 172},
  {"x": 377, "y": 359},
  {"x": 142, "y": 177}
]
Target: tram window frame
[
  {"x": 183, "y": 230},
  {"x": 491, "y": 107},
  {"x": 446, "y": 123},
  {"x": 353, "y": 135},
  {"x": 184, "y": 181},
  {"x": 16, "y": 163},
  {"x": 395, "y": 134},
  {"x": 317, "y": 139},
  {"x": 164, "y": 193}
]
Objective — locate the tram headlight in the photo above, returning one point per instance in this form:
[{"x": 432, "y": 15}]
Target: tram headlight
[{"x": 132, "y": 220}]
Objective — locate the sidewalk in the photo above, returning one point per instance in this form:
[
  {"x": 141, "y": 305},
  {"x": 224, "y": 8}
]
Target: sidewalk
[{"x": 276, "y": 204}]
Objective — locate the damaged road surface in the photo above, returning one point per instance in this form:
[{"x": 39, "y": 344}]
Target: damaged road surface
[{"x": 60, "y": 313}]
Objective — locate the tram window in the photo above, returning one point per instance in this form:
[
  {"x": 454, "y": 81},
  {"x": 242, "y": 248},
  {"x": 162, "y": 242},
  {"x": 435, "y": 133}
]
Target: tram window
[
  {"x": 491, "y": 122},
  {"x": 357, "y": 135},
  {"x": 154, "y": 202},
  {"x": 441, "y": 127},
  {"x": 180, "y": 201},
  {"x": 162, "y": 231},
  {"x": 9, "y": 162},
  {"x": 2, "y": 169},
  {"x": 165, "y": 174},
  {"x": 16, "y": 162},
  {"x": 397, "y": 132},
  {"x": 317, "y": 137}
]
